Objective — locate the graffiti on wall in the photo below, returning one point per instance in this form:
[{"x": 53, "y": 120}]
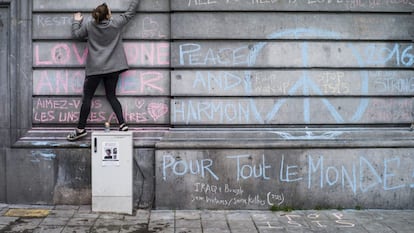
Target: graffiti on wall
[
  {"x": 362, "y": 56},
  {"x": 348, "y": 4},
  {"x": 65, "y": 54},
  {"x": 60, "y": 110},
  {"x": 70, "y": 82},
  {"x": 231, "y": 179}
]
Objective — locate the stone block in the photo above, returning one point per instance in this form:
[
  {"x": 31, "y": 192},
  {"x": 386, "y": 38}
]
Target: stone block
[
  {"x": 31, "y": 175},
  {"x": 284, "y": 178}
]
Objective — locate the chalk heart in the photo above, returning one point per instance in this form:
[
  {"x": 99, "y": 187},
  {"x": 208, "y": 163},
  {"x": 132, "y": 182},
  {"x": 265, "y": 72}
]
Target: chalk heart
[
  {"x": 139, "y": 103},
  {"x": 157, "y": 110}
]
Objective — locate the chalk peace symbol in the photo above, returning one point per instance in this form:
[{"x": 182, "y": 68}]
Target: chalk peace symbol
[{"x": 305, "y": 82}]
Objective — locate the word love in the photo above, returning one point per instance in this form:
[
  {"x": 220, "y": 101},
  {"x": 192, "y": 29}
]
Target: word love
[{"x": 62, "y": 54}]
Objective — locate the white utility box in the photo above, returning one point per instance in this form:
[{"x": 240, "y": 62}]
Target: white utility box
[{"x": 112, "y": 163}]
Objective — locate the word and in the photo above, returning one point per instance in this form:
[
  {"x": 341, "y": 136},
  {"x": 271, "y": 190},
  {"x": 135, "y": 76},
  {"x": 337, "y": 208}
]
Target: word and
[{"x": 262, "y": 83}]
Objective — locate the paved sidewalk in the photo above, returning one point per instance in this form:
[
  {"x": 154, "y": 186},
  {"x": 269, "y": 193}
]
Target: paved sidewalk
[{"x": 76, "y": 219}]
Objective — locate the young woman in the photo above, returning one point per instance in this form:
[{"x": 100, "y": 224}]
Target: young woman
[{"x": 105, "y": 61}]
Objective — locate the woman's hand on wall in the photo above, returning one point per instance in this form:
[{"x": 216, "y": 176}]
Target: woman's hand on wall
[{"x": 78, "y": 16}]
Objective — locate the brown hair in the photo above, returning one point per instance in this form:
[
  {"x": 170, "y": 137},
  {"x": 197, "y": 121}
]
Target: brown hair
[{"x": 100, "y": 13}]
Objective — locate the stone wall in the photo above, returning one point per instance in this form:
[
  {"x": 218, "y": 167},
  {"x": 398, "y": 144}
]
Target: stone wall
[{"x": 243, "y": 104}]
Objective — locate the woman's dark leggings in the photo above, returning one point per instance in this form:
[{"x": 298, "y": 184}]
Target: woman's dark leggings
[{"x": 89, "y": 88}]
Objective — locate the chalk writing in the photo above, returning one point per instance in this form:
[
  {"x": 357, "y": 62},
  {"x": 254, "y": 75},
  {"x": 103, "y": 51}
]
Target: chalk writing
[
  {"x": 206, "y": 188},
  {"x": 46, "y": 20},
  {"x": 379, "y": 54},
  {"x": 221, "y": 111},
  {"x": 247, "y": 171},
  {"x": 354, "y": 175},
  {"x": 70, "y": 82},
  {"x": 58, "y": 26},
  {"x": 280, "y": 82},
  {"x": 298, "y": 5},
  {"x": 66, "y": 110},
  {"x": 148, "y": 53},
  {"x": 377, "y": 107},
  {"x": 82, "y": 5},
  {"x": 333, "y": 82},
  {"x": 217, "y": 82},
  {"x": 193, "y": 55},
  {"x": 359, "y": 175},
  {"x": 64, "y": 54},
  {"x": 234, "y": 201},
  {"x": 182, "y": 167},
  {"x": 362, "y": 3},
  {"x": 201, "y": 2},
  {"x": 277, "y": 111},
  {"x": 364, "y": 55},
  {"x": 392, "y": 82},
  {"x": 58, "y": 82},
  {"x": 227, "y": 196},
  {"x": 271, "y": 1},
  {"x": 256, "y": 55}
]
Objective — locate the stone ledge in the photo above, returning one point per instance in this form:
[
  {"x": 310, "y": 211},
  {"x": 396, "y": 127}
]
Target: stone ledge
[
  {"x": 264, "y": 138},
  {"x": 56, "y": 138},
  {"x": 234, "y": 138}
]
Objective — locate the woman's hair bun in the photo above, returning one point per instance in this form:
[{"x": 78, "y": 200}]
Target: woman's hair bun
[{"x": 100, "y": 13}]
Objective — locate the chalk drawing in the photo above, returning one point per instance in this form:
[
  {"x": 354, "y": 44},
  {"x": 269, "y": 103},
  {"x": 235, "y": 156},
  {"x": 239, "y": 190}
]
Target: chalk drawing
[
  {"x": 305, "y": 83},
  {"x": 311, "y": 220},
  {"x": 372, "y": 54},
  {"x": 412, "y": 185},
  {"x": 309, "y": 135},
  {"x": 45, "y": 155},
  {"x": 151, "y": 28},
  {"x": 157, "y": 110}
]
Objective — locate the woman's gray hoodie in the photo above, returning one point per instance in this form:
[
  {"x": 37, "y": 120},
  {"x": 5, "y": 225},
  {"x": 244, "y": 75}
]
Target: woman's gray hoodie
[{"x": 106, "y": 52}]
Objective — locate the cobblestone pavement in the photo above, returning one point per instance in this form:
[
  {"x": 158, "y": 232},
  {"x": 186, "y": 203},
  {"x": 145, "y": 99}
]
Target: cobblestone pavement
[{"x": 76, "y": 219}]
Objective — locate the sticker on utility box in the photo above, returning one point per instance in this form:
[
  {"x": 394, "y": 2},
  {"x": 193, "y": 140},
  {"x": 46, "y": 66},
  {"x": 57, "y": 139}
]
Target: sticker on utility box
[{"x": 110, "y": 156}]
